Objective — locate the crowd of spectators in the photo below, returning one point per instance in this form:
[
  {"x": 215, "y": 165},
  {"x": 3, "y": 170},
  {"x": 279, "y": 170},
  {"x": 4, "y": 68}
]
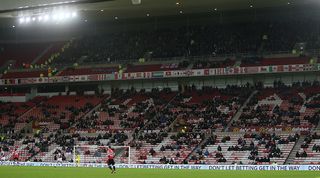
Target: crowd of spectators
[
  {"x": 155, "y": 122},
  {"x": 208, "y": 108},
  {"x": 213, "y": 64},
  {"x": 306, "y": 144},
  {"x": 153, "y": 137},
  {"x": 316, "y": 148},
  {"x": 188, "y": 139},
  {"x": 262, "y": 147},
  {"x": 257, "y": 114},
  {"x": 193, "y": 40}
]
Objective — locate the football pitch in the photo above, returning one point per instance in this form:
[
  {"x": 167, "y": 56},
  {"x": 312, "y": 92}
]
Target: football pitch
[{"x": 51, "y": 172}]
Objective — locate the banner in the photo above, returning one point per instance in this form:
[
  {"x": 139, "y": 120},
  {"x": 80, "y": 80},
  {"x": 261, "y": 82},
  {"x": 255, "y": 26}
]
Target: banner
[
  {"x": 229, "y": 70},
  {"x": 252, "y": 70},
  {"x": 158, "y": 74},
  {"x": 309, "y": 67},
  {"x": 131, "y": 75},
  {"x": 139, "y": 75},
  {"x": 174, "y": 166},
  {"x": 198, "y": 72},
  {"x": 271, "y": 129},
  {"x": 189, "y": 73},
  {"x": 296, "y": 68},
  {"x": 165, "y": 74},
  {"x": 119, "y": 76},
  {"x": 148, "y": 75},
  {"x": 206, "y": 72},
  {"x": 101, "y": 77}
]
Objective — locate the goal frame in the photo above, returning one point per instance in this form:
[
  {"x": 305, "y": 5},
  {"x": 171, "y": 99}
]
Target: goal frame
[{"x": 97, "y": 146}]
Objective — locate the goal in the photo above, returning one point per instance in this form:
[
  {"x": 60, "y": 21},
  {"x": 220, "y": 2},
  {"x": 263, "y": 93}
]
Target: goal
[{"x": 98, "y": 154}]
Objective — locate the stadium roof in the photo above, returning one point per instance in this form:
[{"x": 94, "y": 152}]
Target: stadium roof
[{"x": 125, "y": 8}]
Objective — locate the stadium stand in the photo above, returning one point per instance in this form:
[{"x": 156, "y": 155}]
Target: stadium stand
[
  {"x": 24, "y": 74},
  {"x": 280, "y": 106},
  {"x": 215, "y": 124},
  {"x": 158, "y": 130},
  {"x": 309, "y": 151},
  {"x": 28, "y": 53},
  {"x": 88, "y": 71},
  {"x": 248, "y": 148},
  {"x": 206, "y": 40}
]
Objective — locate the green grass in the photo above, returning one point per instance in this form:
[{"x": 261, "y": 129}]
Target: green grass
[{"x": 51, "y": 172}]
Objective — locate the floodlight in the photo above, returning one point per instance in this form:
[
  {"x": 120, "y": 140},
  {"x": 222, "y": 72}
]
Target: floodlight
[
  {"x": 46, "y": 18},
  {"x": 60, "y": 16},
  {"x": 40, "y": 18},
  {"x": 22, "y": 20},
  {"x": 68, "y": 15},
  {"x": 74, "y": 14},
  {"x": 28, "y": 19},
  {"x": 54, "y": 17}
]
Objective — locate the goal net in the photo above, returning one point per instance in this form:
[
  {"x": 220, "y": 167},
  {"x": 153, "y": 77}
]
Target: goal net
[{"x": 98, "y": 154}]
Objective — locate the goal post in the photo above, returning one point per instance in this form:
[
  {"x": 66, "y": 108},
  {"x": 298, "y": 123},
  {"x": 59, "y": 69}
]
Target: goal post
[{"x": 98, "y": 154}]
